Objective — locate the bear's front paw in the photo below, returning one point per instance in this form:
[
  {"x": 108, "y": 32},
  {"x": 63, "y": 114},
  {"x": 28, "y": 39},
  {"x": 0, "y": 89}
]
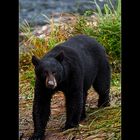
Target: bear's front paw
[
  {"x": 69, "y": 126},
  {"x": 103, "y": 103},
  {"x": 66, "y": 128},
  {"x": 83, "y": 117},
  {"x": 34, "y": 137}
]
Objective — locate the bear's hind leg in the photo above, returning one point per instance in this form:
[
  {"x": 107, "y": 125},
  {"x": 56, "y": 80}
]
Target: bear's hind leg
[
  {"x": 83, "y": 115},
  {"x": 102, "y": 86}
]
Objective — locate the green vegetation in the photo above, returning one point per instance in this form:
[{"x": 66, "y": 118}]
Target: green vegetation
[
  {"x": 104, "y": 26},
  {"x": 107, "y": 31},
  {"x": 101, "y": 125}
]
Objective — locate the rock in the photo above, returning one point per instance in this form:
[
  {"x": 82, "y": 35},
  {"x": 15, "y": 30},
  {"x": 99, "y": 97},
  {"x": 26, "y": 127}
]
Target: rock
[{"x": 32, "y": 10}]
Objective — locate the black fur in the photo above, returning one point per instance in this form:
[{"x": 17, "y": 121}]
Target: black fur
[{"x": 78, "y": 64}]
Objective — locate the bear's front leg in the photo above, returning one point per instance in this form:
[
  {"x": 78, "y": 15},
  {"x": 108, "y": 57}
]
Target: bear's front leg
[
  {"x": 41, "y": 111},
  {"x": 74, "y": 105}
]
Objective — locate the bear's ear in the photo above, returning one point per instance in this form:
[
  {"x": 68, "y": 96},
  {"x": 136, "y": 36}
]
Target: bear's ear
[
  {"x": 60, "y": 56},
  {"x": 35, "y": 60}
]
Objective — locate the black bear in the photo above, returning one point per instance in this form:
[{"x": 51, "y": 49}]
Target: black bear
[{"x": 72, "y": 67}]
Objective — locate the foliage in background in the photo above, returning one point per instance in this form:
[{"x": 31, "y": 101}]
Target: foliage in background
[
  {"x": 107, "y": 31},
  {"x": 105, "y": 26}
]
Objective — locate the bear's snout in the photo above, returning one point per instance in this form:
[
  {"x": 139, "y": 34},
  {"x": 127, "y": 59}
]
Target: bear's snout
[{"x": 51, "y": 82}]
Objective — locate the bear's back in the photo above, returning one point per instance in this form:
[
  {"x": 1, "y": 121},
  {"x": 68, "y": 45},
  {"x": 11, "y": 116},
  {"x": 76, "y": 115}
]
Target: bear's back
[
  {"x": 86, "y": 48},
  {"x": 84, "y": 43}
]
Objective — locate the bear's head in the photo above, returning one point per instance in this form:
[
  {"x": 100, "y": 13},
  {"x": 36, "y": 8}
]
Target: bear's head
[{"x": 49, "y": 70}]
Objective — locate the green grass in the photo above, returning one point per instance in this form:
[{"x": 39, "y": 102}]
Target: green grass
[
  {"x": 107, "y": 31},
  {"x": 100, "y": 123}
]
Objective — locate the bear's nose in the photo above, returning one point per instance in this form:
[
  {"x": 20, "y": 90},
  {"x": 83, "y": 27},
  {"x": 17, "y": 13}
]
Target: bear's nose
[{"x": 50, "y": 83}]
